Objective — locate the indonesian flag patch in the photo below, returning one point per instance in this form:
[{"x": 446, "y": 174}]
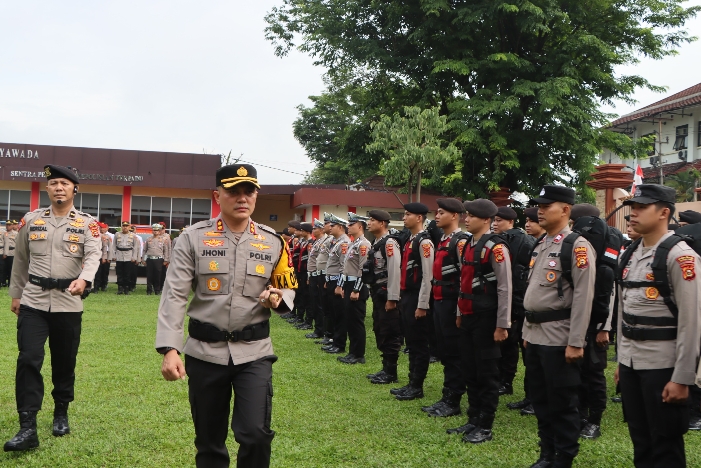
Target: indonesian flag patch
[{"x": 611, "y": 253}]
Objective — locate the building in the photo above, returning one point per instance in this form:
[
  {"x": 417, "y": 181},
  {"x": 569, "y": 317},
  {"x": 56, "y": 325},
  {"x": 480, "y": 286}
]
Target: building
[
  {"x": 147, "y": 187},
  {"x": 675, "y": 123}
]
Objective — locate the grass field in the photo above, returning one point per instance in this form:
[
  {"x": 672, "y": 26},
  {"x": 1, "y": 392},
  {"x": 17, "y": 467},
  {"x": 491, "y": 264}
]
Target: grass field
[{"x": 325, "y": 413}]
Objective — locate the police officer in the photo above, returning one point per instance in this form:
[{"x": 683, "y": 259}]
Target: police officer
[
  {"x": 133, "y": 270},
  {"x": 385, "y": 262},
  {"x": 9, "y": 249},
  {"x": 314, "y": 281},
  {"x": 102, "y": 276},
  {"x": 557, "y": 318},
  {"x": 334, "y": 268},
  {"x": 659, "y": 330},
  {"x": 532, "y": 227},
  {"x": 446, "y": 287},
  {"x": 228, "y": 261},
  {"x": 166, "y": 238},
  {"x": 414, "y": 299},
  {"x": 689, "y": 217},
  {"x": 57, "y": 256},
  {"x": 324, "y": 298},
  {"x": 125, "y": 253},
  {"x": 156, "y": 254},
  {"x": 304, "y": 243},
  {"x": 293, "y": 227},
  {"x": 484, "y": 317},
  {"x": 354, "y": 291},
  {"x": 2, "y": 257}
]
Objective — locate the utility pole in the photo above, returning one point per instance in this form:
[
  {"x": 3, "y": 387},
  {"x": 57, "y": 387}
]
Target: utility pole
[{"x": 659, "y": 154}]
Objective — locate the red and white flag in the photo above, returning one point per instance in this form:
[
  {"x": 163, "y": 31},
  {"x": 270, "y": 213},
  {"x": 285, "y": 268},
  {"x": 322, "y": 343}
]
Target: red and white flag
[{"x": 637, "y": 179}]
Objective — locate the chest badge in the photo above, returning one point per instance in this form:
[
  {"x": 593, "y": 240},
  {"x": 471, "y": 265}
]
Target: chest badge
[
  {"x": 33, "y": 236},
  {"x": 652, "y": 293},
  {"x": 213, "y": 266},
  {"x": 259, "y": 246},
  {"x": 558, "y": 238},
  {"x": 74, "y": 238},
  {"x": 39, "y": 222},
  {"x": 260, "y": 269},
  {"x": 625, "y": 273},
  {"x": 552, "y": 263},
  {"x": 73, "y": 248},
  {"x": 550, "y": 276},
  {"x": 42, "y": 235},
  {"x": 213, "y": 284},
  {"x": 650, "y": 277},
  {"x": 213, "y": 242}
]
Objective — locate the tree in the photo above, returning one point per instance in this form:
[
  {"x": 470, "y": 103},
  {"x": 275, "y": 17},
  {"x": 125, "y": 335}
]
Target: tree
[
  {"x": 684, "y": 183},
  {"x": 520, "y": 81},
  {"x": 414, "y": 145}
]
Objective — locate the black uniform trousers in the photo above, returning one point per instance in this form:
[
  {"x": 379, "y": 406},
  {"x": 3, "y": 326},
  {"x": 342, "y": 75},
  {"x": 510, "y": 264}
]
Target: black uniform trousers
[
  {"x": 355, "y": 312},
  {"x": 656, "y": 428},
  {"x": 448, "y": 342},
  {"x": 386, "y": 324},
  {"x": 154, "y": 270},
  {"x": 302, "y": 296},
  {"x": 63, "y": 332},
  {"x": 7, "y": 271},
  {"x": 553, "y": 393},
  {"x": 2, "y": 271},
  {"x": 592, "y": 390},
  {"x": 416, "y": 332},
  {"x": 102, "y": 275},
  {"x": 123, "y": 270},
  {"x": 479, "y": 356},
  {"x": 164, "y": 272},
  {"x": 695, "y": 400},
  {"x": 511, "y": 347},
  {"x": 132, "y": 271},
  {"x": 210, "y": 388},
  {"x": 337, "y": 316},
  {"x": 314, "y": 311},
  {"x": 326, "y": 317}
]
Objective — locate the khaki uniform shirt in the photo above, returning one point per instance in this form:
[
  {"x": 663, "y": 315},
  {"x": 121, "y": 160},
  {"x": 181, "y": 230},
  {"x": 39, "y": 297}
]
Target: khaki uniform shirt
[
  {"x": 393, "y": 267},
  {"x": 226, "y": 275},
  {"x": 157, "y": 246},
  {"x": 2, "y": 243},
  {"x": 67, "y": 248},
  {"x": 541, "y": 294},
  {"x": 314, "y": 253},
  {"x": 323, "y": 257},
  {"x": 427, "y": 255},
  {"x": 355, "y": 259},
  {"x": 10, "y": 243},
  {"x": 125, "y": 247},
  {"x": 337, "y": 255},
  {"x": 681, "y": 354},
  {"x": 106, "y": 244}
]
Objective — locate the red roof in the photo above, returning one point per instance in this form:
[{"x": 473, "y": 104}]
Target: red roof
[
  {"x": 670, "y": 169},
  {"x": 687, "y": 98}
]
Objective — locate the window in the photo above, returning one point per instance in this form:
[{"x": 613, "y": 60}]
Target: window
[
  {"x": 182, "y": 209},
  {"x": 141, "y": 210},
  {"x": 201, "y": 210},
  {"x": 682, "y": 134},
  {"x": 653, "y": 149},
  {"x": 111, "y": 210},
  {"x": 160, "y": 210},
  {"x": 4, "y": 204},
  {"x": 90, "y": 203},
  {"x": 44, "y": 199},
  {"x": 19, "y": 204}
]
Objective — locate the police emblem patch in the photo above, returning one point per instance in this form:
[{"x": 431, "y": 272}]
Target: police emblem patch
[
  {"x": 213, "y": 266},
  {"x": 73, "y": 248},
  {"x": 550, "y": 276},
  {"x": 652, "y": 293},
  {"x": 22, "y": 222},
  {"x": 364, "y": 250},
  {"x": 426, "y": 250},
  {"x": 242, "y": 172},
  {"x": 389, "y": 248},
  {"x": 344, "y": 249},
  {"x": 581, "y": 260},
  {"x": 461, "y": 247},
  {"x": 94, "y": 229},
  {"x": 498, "y": 252},
  {"x": 530, "y": 265},
  {"x": 688, "y": 266},
  {"x": 260, "y": 269},
  {"x": 213, "y": 284}
]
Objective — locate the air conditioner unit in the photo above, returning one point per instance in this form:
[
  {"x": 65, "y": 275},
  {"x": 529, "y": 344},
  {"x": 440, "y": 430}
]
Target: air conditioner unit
[
  {"x": 682, "y": 155},
  {"x": 654, "y": 161}
]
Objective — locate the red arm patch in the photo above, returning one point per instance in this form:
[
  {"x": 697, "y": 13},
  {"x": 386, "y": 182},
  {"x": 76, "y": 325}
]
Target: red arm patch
[
  {"x": 581, "y": 258},
  {"x": 426, "y": 250},
  {"x": 461, "y": 247},
  {"x": 363, "y": 250},
  {"x": 94, "y": 229},
  {"x": 22, "y": 222},
  {"x": 344, "y": 249},
  {"x": 498, "y": 252},
  {"x": 688, "y": 266},
  {"x": 389, "y": 247}
]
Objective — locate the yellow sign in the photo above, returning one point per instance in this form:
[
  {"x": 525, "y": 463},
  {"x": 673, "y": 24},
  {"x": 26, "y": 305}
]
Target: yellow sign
[
  {"x": 213, "y": 266},
  {"x": 260, "y": 269},
  {"x": 213, "y": 284},
  {"x": 242, "y": 172},
  {"x": 260, "y": 247}
]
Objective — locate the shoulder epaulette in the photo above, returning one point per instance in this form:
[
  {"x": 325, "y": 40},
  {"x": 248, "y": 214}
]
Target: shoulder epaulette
[{"x": 202, "y": 224}]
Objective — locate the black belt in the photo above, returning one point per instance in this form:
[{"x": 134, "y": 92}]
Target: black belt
[
  {"x": 10, "y": 248},
  {"x": 210, "y": 334},
  {"x": 124, "y": 249},
  {"x": 548, "y": 316},
  {"x": 50, "y": 283},
  {"x": 654, "y": 321},
  {"x": 646, "y": 334}
]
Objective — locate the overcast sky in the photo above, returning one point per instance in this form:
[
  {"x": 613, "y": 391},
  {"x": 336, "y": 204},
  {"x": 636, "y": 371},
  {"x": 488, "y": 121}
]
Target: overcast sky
[{"x": 179, "y": 76}]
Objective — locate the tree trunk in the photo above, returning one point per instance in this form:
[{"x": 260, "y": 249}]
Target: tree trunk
[
  {"x": 418, "y": 186},
  {"x": 410, "y": 186}
]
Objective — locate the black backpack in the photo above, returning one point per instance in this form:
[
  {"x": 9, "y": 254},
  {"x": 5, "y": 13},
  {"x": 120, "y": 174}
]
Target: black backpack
[
  {"x": 691, "y": 234},
  {"x": 606, "y": 242},
  {"x": 520, "y": 247},
  {"x": 401, "y": 237}
]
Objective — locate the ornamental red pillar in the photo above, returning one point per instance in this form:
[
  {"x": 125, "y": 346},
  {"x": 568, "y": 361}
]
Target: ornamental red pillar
[
  {"x": 502, "y": 197},
  {"x": 607, "y": 178}
]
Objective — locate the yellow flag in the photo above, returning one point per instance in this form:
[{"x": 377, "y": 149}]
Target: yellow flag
[{"x": 283, "y": 276}]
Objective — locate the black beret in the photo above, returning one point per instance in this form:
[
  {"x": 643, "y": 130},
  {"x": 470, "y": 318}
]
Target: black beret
[
  {"x": 452, "y": 205},
  {"x": 379, "y": 215},
  {"x": 584, "y": 209},
  {"x": 690, "y": 216},
  {"x": 673, "y": 227},
  {"x": 531, "y": 213},
  {"x": 481, "y": 208},
  {"x": 416, "y": 208},
  {"x": 285, "y": 232},
  {"x": 652, "y": 193},
  {"x": 306, "y": 227},
  {"x": 295, "y": 224},
  {"x": 60, "y": 172},
  {"x": 554, "y": 193},
  {"x": 504, "y": 212},
  {"x": 234, "y": 174}
]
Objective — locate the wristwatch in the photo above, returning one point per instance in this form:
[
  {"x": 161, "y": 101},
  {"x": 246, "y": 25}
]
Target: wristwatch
[{"x": 165, "y": 350}]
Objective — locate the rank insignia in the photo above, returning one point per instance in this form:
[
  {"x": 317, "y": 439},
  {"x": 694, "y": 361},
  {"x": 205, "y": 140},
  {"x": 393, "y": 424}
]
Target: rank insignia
[
  {"x": 650, "y": 277},
  {"x": 213, "y": 284},
  {"x": 74, "y": 238},
  {"x": 688, "y": 266},
  {"x": 73, "y": 248},
  {"x": 550, "y": 276},
  {"x": 259, "y": 237},
  {"x": 260, "y": 269},
  {"x": 582, "y": 261},
  {"x": 625, "y": 273},
  {"x": 652, "y": 293},
  {"x": 252, "y": 228},
  {"x": 213, "y": 234},
  {"x": 34, "y": 236},
  {"x": 364, "y": 250},
  {"x": 498, "y": 252},
  {"x": 242, "y": 172},
  {"x": 390, "y": 249},
  {"x": 79, "y": 220},
  {"x": 552, "y": 263},
  {"x": 220, "y": 225},
  {"x": 344, "y": 249},
  {"x": 558, "y": 238},
  {"x": 42, "y": 235},
  {"x": 39, "y": 222},
  {"x": 213, "y": 266},
  {"x": 213, "y": 242},
  {"x": 426, "y": 250},
  {"x": 260, "y": 247}
]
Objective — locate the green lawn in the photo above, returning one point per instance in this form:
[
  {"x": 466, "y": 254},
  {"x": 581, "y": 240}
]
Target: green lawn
[{"x": 325, "y": 413}]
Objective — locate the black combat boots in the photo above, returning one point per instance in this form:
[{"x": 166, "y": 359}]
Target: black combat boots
[
  {"x": 390, "y": 375},
  {"x": 448, "y": 406},
  {"x": 27, "y": 437},
  {"x": 61, "y": 420}
]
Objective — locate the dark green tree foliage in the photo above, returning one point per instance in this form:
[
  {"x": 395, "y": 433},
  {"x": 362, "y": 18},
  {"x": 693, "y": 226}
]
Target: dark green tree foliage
[{"x": 521, "y": 81}]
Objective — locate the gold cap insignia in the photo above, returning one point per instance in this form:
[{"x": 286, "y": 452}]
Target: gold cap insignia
[
  {"x": 47, "y": 172},
  {"x": 242, "y": 172}
]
